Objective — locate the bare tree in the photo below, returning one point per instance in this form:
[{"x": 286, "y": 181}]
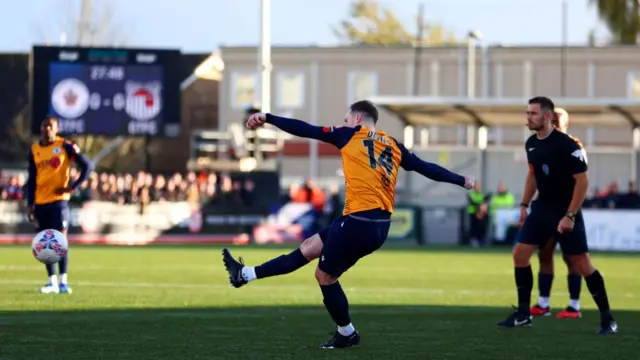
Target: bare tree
[
  {"x": 84, "y": 23},
  {"x": 93, "y": 23}
]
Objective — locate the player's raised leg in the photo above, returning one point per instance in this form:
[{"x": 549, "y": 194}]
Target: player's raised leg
[
  {"x": 574, "y": 244},
  {"x": 545, "y": 280},
  {"x": 574, "y": 283},
  {"x": 239, "y": 274}
]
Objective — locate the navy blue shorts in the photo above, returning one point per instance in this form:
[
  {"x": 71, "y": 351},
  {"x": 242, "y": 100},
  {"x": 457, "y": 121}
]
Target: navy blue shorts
[
  {"x": 53, "y": 215},
  {"x": 349, "y": 239},
  {"x": 542, "y": 225}
]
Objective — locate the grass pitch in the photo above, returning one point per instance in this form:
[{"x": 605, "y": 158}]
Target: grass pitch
[{"x": 175, "y": 303}]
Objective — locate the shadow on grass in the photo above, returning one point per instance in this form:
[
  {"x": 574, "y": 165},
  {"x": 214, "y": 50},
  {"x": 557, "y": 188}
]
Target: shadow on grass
[{"x": 293, "y": 332}]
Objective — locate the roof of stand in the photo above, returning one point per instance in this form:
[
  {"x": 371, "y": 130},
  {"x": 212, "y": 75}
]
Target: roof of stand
[{"x": 420, "y": 110}]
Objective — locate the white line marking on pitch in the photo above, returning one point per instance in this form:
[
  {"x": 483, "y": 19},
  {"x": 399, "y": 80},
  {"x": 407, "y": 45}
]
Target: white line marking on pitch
[
  {"x": 428, "y": 272},
  {"x": 260, "y": 287}
]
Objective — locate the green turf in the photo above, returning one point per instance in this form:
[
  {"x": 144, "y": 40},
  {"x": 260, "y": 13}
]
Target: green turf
[{"x": 175, "y": 303}]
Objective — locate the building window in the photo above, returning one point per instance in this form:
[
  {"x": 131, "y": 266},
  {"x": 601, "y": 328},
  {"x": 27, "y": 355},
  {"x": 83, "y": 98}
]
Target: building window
[
  {"x": 633, "y": 85},
  {"x": 244, "y": 89},
  {"x": 290, "y": 90},
  {"x": 362, "y": 85}
]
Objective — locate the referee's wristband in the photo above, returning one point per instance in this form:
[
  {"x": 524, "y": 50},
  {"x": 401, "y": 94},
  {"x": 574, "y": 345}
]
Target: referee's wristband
[{"x": 524, "y": 205}]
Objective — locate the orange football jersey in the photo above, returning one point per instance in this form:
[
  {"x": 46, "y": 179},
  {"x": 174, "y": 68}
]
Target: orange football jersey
[
  {"x": 52, "y": 165},
  {"x": 370, "y": 161}
]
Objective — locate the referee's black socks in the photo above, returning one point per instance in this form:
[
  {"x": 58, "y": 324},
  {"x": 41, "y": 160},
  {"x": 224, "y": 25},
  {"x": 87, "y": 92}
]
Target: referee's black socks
[
  {"x": 595, "y": 283},
  {"x": 524, "y": 285}
]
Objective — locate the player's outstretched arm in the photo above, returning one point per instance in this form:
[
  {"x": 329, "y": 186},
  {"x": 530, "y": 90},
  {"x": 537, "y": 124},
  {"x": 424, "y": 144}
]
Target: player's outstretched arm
[
  {"x": 411, "y": 162},
  {"x": 31, "y": 181},
  {"x": 337, "y": 136},
  {"x": 85, "y": 165}
]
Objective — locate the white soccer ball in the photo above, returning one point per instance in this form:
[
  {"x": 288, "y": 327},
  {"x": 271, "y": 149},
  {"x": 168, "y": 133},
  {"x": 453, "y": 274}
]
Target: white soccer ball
[{"x": 49, "y": 246}]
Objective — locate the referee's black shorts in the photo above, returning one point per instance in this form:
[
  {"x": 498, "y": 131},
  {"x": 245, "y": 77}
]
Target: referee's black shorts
[{"x": 542, "y": 224}]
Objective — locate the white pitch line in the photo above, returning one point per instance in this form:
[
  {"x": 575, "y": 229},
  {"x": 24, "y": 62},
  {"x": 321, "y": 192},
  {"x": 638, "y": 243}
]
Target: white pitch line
[
  {"x": 284, "y": 288},
  {"x": 434, "y": 272}
]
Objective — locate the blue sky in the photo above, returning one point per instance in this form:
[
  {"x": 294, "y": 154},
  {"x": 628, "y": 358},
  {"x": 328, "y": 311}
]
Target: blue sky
[{"x": 204, "y": 25}]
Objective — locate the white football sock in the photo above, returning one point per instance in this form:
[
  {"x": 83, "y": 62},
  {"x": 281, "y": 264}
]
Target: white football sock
[
  {"x": 543, "y": 301},
  {"x": 574, "y": 304},
  {"x": 53, "y": 279},
  {"x": 248, "y": 273},
  {"x": 346, "y": 330},
  {"x": 63, "y": 279}
]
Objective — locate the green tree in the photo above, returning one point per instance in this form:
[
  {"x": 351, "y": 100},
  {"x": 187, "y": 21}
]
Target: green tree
[
  {"x": 622, "y": 18},
  {"x": 371, "y": 23}
]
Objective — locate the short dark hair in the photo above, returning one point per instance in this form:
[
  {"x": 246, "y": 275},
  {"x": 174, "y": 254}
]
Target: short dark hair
[
  {"x": 545, "y": 103},
  {"x": 50, "y": 118},
  {"x": 366, "y": 108}
]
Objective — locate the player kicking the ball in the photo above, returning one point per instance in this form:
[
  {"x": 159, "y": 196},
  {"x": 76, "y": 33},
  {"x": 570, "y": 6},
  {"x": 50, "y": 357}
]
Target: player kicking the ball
[
  {"x": 48, "y": 191},
  {"x": 558, "y": 171},
  {"x": 545, "y": 255},
  {"x": 370, "y": 160}
]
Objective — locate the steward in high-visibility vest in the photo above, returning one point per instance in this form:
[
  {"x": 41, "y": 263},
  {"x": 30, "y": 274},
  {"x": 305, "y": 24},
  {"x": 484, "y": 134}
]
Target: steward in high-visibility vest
[
  {"x": 502, "y": 199},
  {"x": 476, "y": 198}
]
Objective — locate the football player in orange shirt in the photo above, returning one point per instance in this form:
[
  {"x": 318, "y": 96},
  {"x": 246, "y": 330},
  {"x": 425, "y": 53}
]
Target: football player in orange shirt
[
  {"x": 371, "y": 160},
  {"x": 545, "y": 255},
  {"x": 49, "y": 190}
]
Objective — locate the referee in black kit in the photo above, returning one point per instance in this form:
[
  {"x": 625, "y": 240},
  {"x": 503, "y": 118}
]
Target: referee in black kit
[{"x": 558, "y": 171}]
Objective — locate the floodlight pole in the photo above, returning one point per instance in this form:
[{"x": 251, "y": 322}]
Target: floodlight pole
[
  {"x": 264, "y": 66},
  {"x": 265, "y": 56}
]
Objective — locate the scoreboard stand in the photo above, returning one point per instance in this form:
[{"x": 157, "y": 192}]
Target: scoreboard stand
[{"x": 106, "y": 91}]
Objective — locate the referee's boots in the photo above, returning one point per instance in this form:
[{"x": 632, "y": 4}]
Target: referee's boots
[
  {"x": 517, "y": 319},
  {"x": 608, "y": 326}
]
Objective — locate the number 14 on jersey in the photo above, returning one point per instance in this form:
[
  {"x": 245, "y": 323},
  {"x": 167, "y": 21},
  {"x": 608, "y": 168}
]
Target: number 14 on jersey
[{"x": 384, "y": 159}]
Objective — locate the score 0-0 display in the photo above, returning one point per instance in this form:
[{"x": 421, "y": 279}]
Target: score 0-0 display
[{"x": 105, "y": 91}]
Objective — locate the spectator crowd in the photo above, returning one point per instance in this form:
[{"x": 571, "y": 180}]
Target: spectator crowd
[
  {"x": 327, "y": 204},
  {"x": 193, "y": 187},
  {"x": 612, "y": 198},
  {"x": 143, "y": 188}
]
